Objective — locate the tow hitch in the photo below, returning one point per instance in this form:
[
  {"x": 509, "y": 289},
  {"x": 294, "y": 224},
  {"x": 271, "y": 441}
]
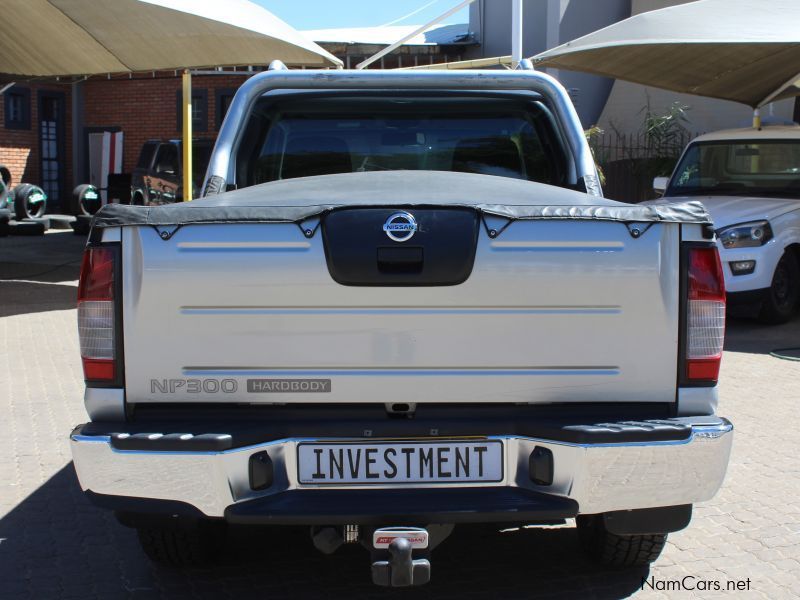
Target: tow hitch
[
  {"x": 400, "y": 555},
  {"x": 400, "y": 569}
]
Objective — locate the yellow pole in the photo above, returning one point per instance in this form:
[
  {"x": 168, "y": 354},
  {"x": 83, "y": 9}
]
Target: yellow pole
[
  {"x": 187, "y": 135},
  {"x": 756, "y": 118}
]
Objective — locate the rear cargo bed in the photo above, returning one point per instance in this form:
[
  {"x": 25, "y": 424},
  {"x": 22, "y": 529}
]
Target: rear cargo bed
[{"x": 552, "y": 310}]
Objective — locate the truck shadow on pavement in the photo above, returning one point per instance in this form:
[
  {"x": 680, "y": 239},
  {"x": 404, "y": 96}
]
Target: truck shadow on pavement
[
  {"x": 32, "y": 288},
  {"x": 750, "y": 336},
  {"x": 55, "y": 544},
  {"x": 25, "y": 297},
  {"x": 39, "y": 274}
]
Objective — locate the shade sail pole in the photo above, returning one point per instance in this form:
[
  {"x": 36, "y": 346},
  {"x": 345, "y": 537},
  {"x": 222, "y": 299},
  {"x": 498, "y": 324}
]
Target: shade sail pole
[
  {"x": 186, "y": 111},
  {"x": 516, "y": 33}
]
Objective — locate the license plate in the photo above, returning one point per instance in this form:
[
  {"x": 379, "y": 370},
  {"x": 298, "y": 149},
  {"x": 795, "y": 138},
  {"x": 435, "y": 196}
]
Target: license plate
[{"x": 400, "y": 462}]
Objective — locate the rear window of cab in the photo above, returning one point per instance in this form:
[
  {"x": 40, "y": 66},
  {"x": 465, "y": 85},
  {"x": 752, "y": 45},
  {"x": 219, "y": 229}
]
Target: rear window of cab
[{"x": 321, "y": 136}]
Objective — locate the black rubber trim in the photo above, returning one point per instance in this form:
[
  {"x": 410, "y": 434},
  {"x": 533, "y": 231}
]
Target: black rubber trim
[
  {"x": 441, "y": 251},
  {"x": 629, "y": 431},
  {"x": 648, "y": 521},
  {"x": 204, "y": 442},
  {"x": 211, "y": 435},
  {"x": 402, "y": 507}
]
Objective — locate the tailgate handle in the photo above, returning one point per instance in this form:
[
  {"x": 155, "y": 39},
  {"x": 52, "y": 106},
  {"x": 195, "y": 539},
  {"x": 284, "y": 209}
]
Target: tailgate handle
[{"x": 392, "y": 259}]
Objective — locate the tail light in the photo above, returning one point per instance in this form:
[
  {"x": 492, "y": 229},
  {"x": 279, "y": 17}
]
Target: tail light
[
  {"x": 97, "y": 321},
  {"x": 705, "y": 316}
]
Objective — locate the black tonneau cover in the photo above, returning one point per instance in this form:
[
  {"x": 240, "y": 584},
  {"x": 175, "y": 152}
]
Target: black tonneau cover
[{"x": 296, "y": 200}]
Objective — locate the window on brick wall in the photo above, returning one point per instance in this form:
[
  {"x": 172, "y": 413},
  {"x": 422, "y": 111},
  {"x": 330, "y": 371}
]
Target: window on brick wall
[
  {"x": 224, "y": 97},
  {"x": 199, "y": 110},
  {"x": 18, "y": 108}
]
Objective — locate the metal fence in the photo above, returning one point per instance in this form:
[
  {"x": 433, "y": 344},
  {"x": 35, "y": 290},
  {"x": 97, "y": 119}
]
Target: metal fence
[{"x": 629, "y": 162}]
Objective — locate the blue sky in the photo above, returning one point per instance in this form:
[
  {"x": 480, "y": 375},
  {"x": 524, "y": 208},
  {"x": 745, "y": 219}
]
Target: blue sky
[{"x": 329, "y": 14}]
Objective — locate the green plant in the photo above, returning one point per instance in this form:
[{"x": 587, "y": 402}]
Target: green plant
[
  {"x": 665, "y": 135},
  {"x": 628, "y": 161},
  {"x": 592, "y": 134}
]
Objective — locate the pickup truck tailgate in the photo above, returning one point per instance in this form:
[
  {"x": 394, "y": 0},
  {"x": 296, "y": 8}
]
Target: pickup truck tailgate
[{"x": 552, "y": 311}]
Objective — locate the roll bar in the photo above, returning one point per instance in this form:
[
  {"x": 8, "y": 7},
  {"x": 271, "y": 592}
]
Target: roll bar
[{"x": 219, "y": 168}]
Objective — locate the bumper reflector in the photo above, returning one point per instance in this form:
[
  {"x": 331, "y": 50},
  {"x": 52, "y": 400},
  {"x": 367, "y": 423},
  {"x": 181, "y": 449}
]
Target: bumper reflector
[
  {"x": 540, "y": 466},
  {"x": 261, "y": 471}
]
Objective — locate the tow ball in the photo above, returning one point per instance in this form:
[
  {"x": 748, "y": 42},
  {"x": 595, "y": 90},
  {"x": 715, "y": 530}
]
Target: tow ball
[
  {"x": 393, "y": 562},
  {"x": 400, "y": 556}
]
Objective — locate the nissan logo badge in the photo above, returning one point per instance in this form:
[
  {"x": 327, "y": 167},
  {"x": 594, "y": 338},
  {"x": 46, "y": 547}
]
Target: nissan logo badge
[{"x": 400, "y": 227}]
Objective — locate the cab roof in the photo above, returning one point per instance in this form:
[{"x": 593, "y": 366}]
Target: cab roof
[{"x": 768, "y": 132}]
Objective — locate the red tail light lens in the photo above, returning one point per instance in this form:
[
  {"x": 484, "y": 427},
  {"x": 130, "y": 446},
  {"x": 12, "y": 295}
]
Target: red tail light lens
[
  {"x": 97, "y": 274},
  {"x": 96, "y": 314},
  {"x": 705, "y": 315}
]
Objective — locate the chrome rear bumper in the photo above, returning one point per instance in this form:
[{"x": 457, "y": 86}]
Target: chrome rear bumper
[{"x": 599, "y": 477}]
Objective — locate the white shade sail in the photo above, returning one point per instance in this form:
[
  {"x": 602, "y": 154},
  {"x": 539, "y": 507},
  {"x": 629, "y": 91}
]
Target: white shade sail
[
  {"x": 747, "y": 51},
  {"x": 86, "y": 37}
]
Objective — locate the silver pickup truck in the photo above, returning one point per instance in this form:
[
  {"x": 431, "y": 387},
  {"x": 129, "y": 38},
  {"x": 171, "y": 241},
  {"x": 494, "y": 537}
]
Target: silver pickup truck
[{"x": 402, "y": 305}]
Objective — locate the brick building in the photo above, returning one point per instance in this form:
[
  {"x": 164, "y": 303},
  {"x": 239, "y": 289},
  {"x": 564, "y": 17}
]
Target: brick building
[
  {"x": 35, "y": 134},
  {"x": 148, "y": 106},
  {"x": 45, "y": 127},
  {"x": 37, "y": 141}
]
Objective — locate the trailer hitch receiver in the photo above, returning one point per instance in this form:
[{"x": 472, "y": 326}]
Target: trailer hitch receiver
[{"x": 400, "y": 568}]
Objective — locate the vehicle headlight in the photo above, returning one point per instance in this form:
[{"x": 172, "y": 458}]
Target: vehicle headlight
[{"x": 745, "y": 235}]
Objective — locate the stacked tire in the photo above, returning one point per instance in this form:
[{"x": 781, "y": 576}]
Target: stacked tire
[
  {"x": 5, "y": 185},
  {"x": 30, "y": 202},
  {"x": 30, "y": 207},
  {"x": 85, "y": 200},
  {"x": 5, "y": 214},
  {"x": 22, "y": 208}
]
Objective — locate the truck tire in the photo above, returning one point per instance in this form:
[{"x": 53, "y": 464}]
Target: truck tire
[
  {"x": 85, "y": 200},
  {"x": 215, "y": 185},
  {"x": 5, "y": 185},
  {"x": 618, "y": 551},
  {"x": 783, "y": 296},
  {"x": 182, "y": 547},
  {"x": 25, "y": 207}
]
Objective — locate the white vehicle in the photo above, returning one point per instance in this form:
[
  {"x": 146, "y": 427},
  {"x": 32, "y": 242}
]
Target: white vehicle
[
  {"x": 412, "y": 309},
  {"x": 749, "y": 180}
]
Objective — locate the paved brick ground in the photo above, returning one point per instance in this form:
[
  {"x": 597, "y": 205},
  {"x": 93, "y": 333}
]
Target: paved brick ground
[{"x": 54, "y": 544}]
